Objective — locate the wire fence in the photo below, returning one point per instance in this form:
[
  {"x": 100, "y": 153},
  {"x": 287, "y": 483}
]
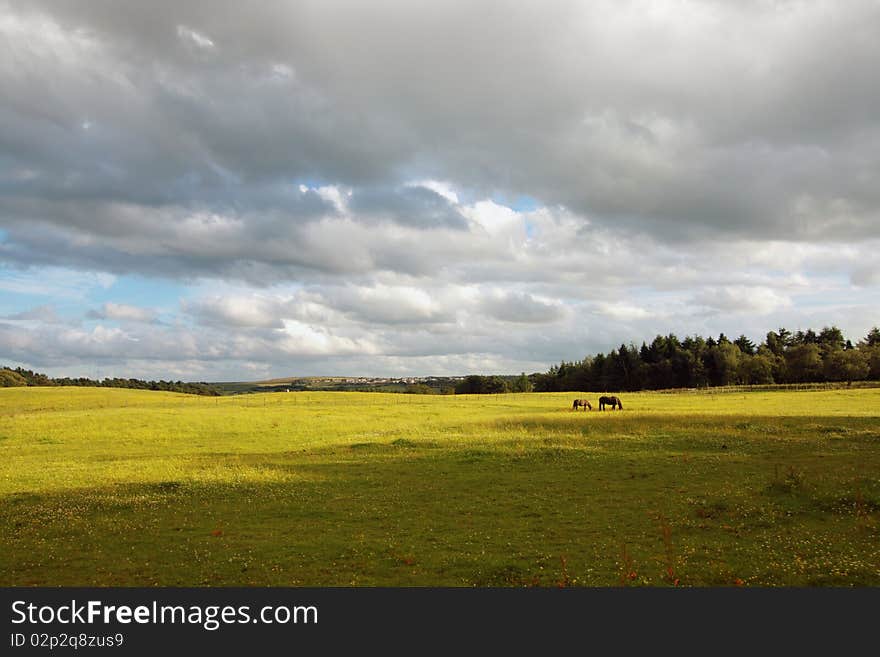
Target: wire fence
[{"x": 771, "y": 387}]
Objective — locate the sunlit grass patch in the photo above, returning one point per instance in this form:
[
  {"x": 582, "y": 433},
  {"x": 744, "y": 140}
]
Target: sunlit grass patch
[{"x": 131, "y": 487}]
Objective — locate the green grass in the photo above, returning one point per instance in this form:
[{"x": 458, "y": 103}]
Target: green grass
[{"x": 125, "y": 487}]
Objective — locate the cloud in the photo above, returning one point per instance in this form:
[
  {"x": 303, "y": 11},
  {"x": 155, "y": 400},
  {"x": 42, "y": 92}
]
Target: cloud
[
  {"x": 123, "y": 312},
  {"x": 245, "y": 312},
  {"x": 623, "y": 311},
  {"x": 341, "y": 170},
  {"x": 444, "y": 189},
  {"x": 300, "y": 339},
  {"x": 393, "y": 304},
  {"x": 866, "y": 275},
  {"x": 45, "y": 313},
  {"x": 193, "y": 38},
  {"x": 521, "y": 308},
  {"x": 678, "y": 123},
  {"x": 410, "y": 204},
  {"x": 742, "y": 299},
  {"x": 53, "y": 281}
]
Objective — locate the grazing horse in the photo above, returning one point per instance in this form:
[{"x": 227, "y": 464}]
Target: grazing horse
[
  {"x": 582, "y": 402},
  {"x": 613, "y": 402}
]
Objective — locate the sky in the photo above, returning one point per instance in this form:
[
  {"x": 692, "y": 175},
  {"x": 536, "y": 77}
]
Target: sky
[{"x": 236, "y": 191}]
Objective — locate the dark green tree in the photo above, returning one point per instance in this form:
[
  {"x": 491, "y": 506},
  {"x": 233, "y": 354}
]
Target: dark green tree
[
  {"x": 804, "y": 363},
  {"x": 521, "y": 384},
  {"x": 846, "y": 365},
  {"x": 831, "y": 339},
  {"x": 745, "y": 345}
]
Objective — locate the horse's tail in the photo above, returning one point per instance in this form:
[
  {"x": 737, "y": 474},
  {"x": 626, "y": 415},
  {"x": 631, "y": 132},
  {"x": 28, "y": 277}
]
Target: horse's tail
[
  {"x": 574, "y": 405},
  {"x": 619, "y": 405}
]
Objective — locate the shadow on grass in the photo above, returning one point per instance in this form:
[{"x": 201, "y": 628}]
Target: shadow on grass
[{"x": 491, "y": 512}]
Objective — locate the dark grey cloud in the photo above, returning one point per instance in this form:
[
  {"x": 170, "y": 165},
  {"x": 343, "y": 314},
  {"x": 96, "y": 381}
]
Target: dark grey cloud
[
  {"x": 732, "y": 119},
  {"x": 521, "y": 308},
  {"x": 411, "y": 205}
]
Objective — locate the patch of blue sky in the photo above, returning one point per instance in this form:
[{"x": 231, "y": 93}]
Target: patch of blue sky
[
  {"x": 160, "y": 294},
  {"x": 22, "y": 289},
  {"x": 311, "y": 183},
  {"x": 13, "y": 302},
  {"x": 521, "y": 203},
  {"x": 73, "y": 293}
]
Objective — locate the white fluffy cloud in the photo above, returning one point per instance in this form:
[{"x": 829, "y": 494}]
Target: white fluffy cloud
[
  {"x": 623, "y": 311},
  {"x": 123, "y": 312},
  {"x": 736, "y": 299}
]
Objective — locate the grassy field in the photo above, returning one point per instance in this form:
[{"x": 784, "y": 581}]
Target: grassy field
[{"x": 124, "y": 487}]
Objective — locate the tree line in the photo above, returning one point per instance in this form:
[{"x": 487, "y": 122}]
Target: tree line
[
  {"x": 21, "y": 377},
  {"x": 694, "y": 362},
  {"x": 491, "y": 385}
]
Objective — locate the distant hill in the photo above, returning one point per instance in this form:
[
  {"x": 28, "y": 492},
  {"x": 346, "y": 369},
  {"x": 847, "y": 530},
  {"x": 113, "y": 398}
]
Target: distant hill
[{"x": 422, "y": 384}]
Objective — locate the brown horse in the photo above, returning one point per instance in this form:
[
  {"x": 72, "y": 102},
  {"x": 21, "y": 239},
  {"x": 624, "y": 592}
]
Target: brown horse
[
  {"x": 582, "y": 402},
  {"x": 613, "y": 402}
]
